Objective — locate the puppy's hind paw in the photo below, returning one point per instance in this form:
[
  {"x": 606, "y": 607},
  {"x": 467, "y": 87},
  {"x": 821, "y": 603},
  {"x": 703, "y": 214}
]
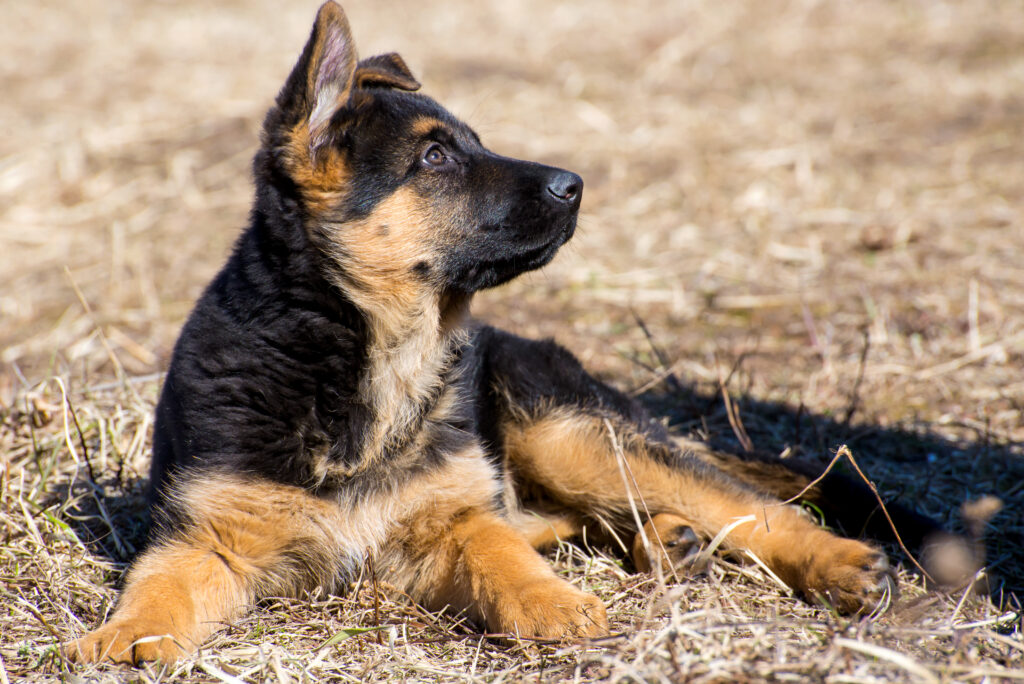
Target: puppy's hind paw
[
  {"x": 669, "y": 541},
  {"x": 852, "y": 577}
]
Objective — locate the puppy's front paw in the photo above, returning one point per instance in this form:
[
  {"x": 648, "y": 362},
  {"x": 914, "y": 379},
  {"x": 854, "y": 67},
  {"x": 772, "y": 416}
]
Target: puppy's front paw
[
  {"x": 129, "y": 641},
  {"x": 551, "y": 608},
  {"x": 851, "y": 576}
]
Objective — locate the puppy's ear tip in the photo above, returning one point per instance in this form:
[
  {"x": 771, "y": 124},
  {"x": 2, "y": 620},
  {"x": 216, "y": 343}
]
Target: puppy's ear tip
[
  {"x": 331, "y": 26},
  {"x": 330, "y": 11},
  {"x": 333, "y": 48},
  {"x": 388, "y": 70}
]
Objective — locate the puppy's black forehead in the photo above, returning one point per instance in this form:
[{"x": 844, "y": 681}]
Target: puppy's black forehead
[
  {"x": 381, "y": 136},
  {"x": 393, "y": 117}
]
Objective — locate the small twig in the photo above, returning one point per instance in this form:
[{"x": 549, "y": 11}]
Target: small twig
[
  {"x": 812, "y": 483},
  {"x": 39, "y": 616},
  {"x": 855, "y": 393},
  {"x": 740, "y": 358},
  {"x": 733, "y": 414},
  {"x": 906, "y": 663},
  {"x": 620, "y": 457},
  {"x": 124, "y": 548},
  {"x": 632, "y": 358},
  {"x": 845, "y": 451},
  {"x": 705, "y": 555},
  {"x": 81, "y": 438},
  {"x": 429, "y": 619},
  {"x": 376, "y": 597},
  {"x": 972, "y": 357},
  {"x": 670, "y": 378},
  {"x": 812, "y": 334},
  {"x": 667, "y": 376},
  {"x": 840, "y": 453},
  {"x": 968, "y": 590}
]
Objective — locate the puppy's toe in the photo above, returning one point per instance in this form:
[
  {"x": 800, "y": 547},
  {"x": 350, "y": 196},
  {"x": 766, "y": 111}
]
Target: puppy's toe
[
  {"x": 670, "y": 543},
  {"x": 551, "y": 608},
  {"x": 125, "y": 641},
  {"x": 852, "y": 577}
]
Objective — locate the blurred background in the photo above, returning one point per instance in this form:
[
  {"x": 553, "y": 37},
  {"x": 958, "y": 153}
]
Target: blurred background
[{"x": 824, "y": 198}]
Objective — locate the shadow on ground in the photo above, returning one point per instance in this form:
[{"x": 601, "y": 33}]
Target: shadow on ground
[
  {"x": 110, "y": 516},
  {"x": 912, "y": 466}
]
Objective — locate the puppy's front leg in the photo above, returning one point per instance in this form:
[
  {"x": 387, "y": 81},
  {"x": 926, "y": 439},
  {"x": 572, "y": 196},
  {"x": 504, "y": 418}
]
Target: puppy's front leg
[
  {"x": 175, "y": 596},
  {"x": 240, "y": 540},
  {"x": 480, "y": 564}
]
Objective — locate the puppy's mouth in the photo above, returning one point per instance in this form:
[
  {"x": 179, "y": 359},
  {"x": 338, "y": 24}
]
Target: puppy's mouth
[
  {"x": 480, "y": 274},
  {"x": 546, "y": 252},
  {"x": 536, "y": 256}
]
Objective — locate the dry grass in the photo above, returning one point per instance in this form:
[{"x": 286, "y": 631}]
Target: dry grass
[{"x": 804, "y": 193}]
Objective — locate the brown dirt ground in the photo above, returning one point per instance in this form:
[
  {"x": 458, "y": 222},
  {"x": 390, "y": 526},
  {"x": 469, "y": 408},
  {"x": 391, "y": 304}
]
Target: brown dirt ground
[{"x": 822, "y": 200}]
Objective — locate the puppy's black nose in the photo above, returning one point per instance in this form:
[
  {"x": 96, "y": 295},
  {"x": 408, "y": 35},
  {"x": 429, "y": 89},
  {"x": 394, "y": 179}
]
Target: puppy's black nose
[{"x": 565, "y": 186}]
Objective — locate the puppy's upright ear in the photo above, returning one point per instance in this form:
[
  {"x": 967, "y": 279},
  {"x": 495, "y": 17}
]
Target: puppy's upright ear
[
  {"x": 322, "y": 80},
  {"x": 387, "y": 70}
]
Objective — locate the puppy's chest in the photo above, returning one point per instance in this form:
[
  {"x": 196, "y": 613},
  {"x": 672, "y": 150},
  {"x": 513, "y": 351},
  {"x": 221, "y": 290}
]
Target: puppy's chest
[{"x": 408, "y": 411}]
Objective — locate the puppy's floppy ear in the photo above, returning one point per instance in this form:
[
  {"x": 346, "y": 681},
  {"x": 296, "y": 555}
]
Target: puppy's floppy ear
[
  {"x": 321, "y": 82},
  {"x": 387, "y": 70}
]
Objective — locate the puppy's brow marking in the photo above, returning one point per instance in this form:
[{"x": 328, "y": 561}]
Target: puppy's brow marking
[{"x": 424, "y": 126}]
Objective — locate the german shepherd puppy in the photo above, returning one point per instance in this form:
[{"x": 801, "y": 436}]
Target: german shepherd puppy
[{"x": 329, "y": 399}]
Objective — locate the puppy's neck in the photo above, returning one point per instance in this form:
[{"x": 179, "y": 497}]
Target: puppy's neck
[{"x": 411, "y": 347}]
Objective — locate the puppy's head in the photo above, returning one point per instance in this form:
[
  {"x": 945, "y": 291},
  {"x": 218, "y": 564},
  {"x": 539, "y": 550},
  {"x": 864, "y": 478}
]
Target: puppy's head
[{"x": 403, "y": 198}]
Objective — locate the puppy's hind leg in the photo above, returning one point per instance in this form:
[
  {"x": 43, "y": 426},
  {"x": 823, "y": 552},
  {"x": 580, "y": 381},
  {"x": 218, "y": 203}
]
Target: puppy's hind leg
[
  {"x": 594, "y": 451},
  {"x": 242, "y": 540}
]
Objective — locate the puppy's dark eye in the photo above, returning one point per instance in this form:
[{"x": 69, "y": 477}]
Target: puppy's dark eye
[{"x": 435, "y": 156}]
